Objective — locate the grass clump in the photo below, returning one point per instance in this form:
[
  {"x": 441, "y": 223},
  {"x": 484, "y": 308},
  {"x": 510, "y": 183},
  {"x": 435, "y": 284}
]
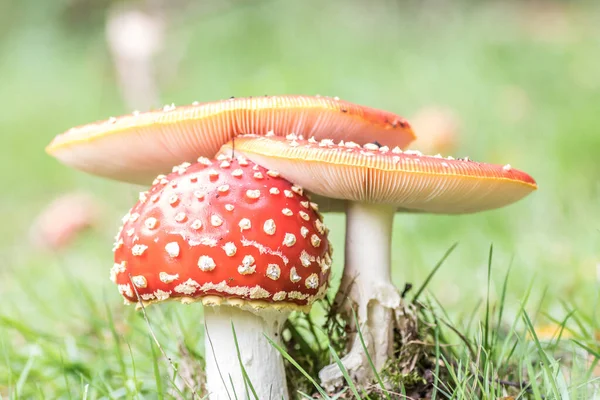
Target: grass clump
[{"x": 435, "y": 357}]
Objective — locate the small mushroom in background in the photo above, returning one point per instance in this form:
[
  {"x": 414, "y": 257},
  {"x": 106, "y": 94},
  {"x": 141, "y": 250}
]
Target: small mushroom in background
[
  {"x": 63, "y": 219},
  {"x": 135, "y": 38},
  {"x": 173, "y": 135},
  {"x": 244, "y": 242},
  {"x": 437, "y": 130},
  {"x": 377, "y": 182}
]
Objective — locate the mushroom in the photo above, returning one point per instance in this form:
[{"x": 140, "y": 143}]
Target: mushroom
[
  {"x": 172, "y": 135},
  {"x": 377, "y": 182},
  {"x": 246, "y": 243}
]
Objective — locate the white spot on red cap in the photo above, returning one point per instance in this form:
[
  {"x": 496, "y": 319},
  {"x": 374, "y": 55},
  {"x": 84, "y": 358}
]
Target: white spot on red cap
[
  {"x": 273, "y": 271},
  {"x": 125, "y": 290},
  {"x": 139, "y": 281},
  {"x": 167, "y": 278},
  {"x": 196, "y": 224},
  {"x": 180, "y": 217},
  {"x": 269, "y": 227},
  {"x": 229, "y": 207},
  {"x": 319, "y": 226},
  {"x": 157, "y": 180},
  {"x": 253, "y": 194},
  {"x": 289, "y": 240},
  {"x": 216, "y": 220},
  {"x": 273, "y": 174},
  {"x": 173, "y": 199},
  {"x": 247, "y": 266},
  {"x": 225, "y": 164},
  {"x": 258, "y": 175},
  {"x": 150, "y": 222},
  {"x": 116, "y": 269},
  {"x": 315, "y": 240},
  {"x": 118, "y": 244},
  {"x": 507, "y": 167},
  {"x": 306, "y": 259},
  {"x": 279, "y": 296},
  {"x": 237, "y": 172},
  {"x": 188, "y": 287},
  {"x": 288, "y": 193},
  {"x": 304, "y": 215},
  {"x": 223, "y": 188},
  {"x": 230, "y": 249},
  {"x": 312, "y": 282},
  {"x": 274, "y": 190},
  {"x": 245, "y": 224},
  {"x": 294, "y": 277},
  {"x": 258, "y": 292},
  {"x": 294, "y": 294},
  {"x": 161, "y": 294},
  {"x": 138, "y": 249},
  {"x": 181, "y": 168},
  {"x": 287, "y": 211},
  {"x": 206, "y": 263},
  {"x": 213, "y": 174},
  {"x": 304, "y": 231},
  {"x": 172, "y": 249},
  {"x": 199, "y": 194}
]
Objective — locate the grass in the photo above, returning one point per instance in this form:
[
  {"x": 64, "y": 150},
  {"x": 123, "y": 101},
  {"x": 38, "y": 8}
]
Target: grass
[{"x": 525, "y": 94}]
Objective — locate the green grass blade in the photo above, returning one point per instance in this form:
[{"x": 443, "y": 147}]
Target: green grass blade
[
  {"x": 486, "y": 331},
  {"x": 156, "y": 370},
  {"x": 239, "y": 356},
  {"x": 206, "y": 332},
  {"x": 286, "y": 355},
  {"x": 344, "y": 372},
  {"x": 594, "y": 353},
  {"x": 364, "y": 346},
  {"x": 432, "y": 273}
]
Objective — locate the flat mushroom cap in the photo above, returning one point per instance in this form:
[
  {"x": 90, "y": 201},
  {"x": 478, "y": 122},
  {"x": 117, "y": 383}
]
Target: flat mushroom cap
[
  {"x": 407, "y": 180},
  {"x": 223, "y": 232},
  {"x": 135, "y": 148}
]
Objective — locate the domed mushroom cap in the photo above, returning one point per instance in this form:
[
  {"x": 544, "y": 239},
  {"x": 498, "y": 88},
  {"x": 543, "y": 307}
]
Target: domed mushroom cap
[
  {"x": 372, "y": 174},
  {"x": 135, "y": 148},
  {"x": 224, "y": 231}
]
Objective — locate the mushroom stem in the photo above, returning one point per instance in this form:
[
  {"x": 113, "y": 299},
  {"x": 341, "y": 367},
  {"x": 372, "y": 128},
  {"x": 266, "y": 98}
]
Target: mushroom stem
[
  {"x": 366, "y": 285},
  {"x": 262, "y": 362}
]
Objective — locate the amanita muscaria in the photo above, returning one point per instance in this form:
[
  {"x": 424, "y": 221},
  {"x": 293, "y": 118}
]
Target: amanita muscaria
[
  {"x": 167, "y": 137},
  {"x": 246, "y": 243},
  {"x": 377, "y": 182}
]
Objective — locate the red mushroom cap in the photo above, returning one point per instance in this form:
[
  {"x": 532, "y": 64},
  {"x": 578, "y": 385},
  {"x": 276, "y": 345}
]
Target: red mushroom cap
[{"x": 223, "y": 231}]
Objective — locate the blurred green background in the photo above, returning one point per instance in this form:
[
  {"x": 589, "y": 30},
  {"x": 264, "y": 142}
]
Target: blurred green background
[{"x": 521, "y": 77}]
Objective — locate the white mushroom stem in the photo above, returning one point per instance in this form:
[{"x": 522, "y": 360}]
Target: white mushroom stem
[
  {"x": 262, "y": 362},
  {"x": 366, "y": 285}
]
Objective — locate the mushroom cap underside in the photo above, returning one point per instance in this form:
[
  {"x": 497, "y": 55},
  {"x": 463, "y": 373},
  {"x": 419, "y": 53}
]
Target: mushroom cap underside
[
  {"x": 135, "y": 148},
  {"x": 407, "y": 180}
]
